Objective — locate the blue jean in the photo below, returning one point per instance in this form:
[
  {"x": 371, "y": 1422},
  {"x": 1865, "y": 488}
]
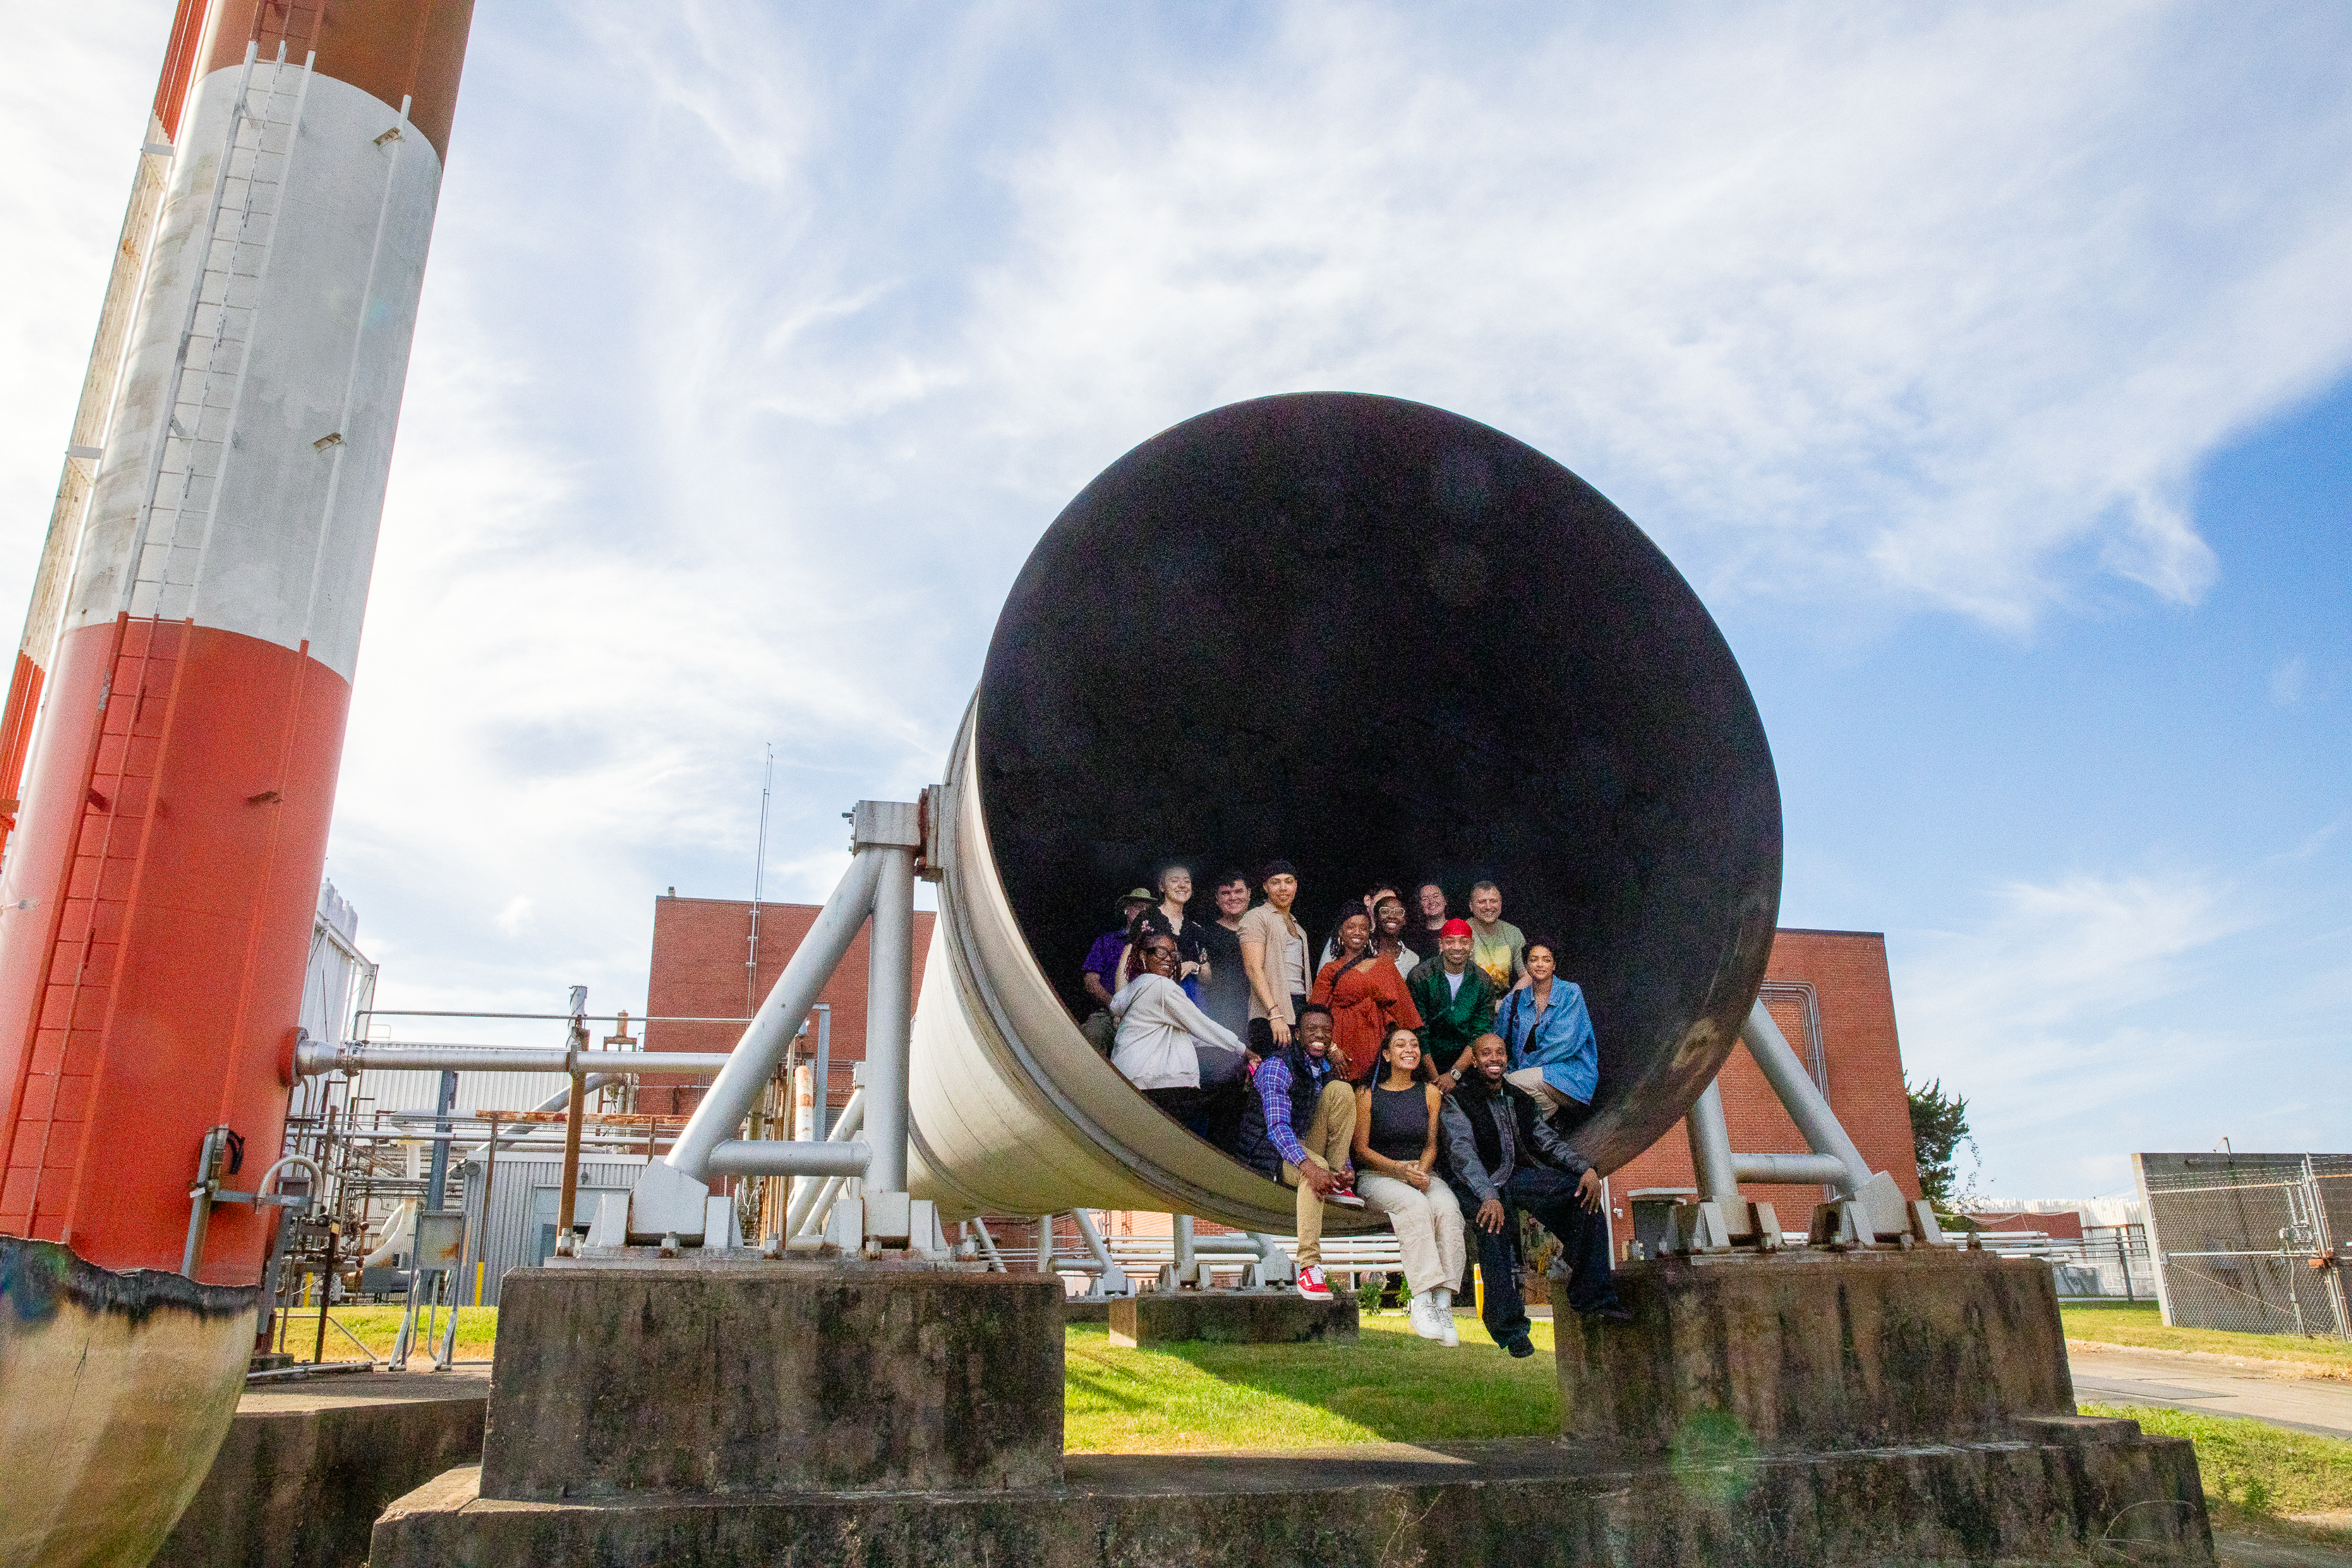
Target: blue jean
[{"x": 1550, "y": 1197}]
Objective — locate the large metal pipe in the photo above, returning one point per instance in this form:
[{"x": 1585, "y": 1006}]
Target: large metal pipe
[
  {"x": 1381, "y": 641},
  {"x": 1807, "y": 1106},
  {"x": 753, "y": 1060}
]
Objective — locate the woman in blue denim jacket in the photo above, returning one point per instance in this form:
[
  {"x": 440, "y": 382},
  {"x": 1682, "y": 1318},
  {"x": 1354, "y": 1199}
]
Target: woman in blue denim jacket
[{"x": 1554, "y": 1056}]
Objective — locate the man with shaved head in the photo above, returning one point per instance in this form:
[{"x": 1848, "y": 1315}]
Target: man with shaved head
[{"x": 1503, "y": 1158}]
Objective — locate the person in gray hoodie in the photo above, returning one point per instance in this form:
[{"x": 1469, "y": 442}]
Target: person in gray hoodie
[{"x": 1503, "y": 1157}]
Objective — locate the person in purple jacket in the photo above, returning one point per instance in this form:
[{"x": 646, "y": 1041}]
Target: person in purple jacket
[{"x": 1101, "y": 975}]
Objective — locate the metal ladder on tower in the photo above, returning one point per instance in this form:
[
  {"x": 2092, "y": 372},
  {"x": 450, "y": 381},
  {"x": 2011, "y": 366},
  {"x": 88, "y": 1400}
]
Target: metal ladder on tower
[{"x": 190, "y": 450}]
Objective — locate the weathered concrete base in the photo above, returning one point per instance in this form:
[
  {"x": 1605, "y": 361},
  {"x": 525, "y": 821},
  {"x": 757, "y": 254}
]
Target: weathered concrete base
[
  {"x": 1816, "y": 1350},
  {"x": 1230, "y": 1317},
  {"x": 1082, "y": 1309},
  {"x": 2071, "y": 1492},
  {"x": 308, "y": 1463},
  {"x": 635, "y": 1379}
]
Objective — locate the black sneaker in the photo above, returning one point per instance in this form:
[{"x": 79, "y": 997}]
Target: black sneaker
[
  {"x": 1522, "y": 1347},
  {"x": 1610, "y": 1312}
]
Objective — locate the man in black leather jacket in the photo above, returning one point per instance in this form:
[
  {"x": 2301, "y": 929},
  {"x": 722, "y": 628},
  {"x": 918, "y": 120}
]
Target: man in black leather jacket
[{"x": 1501, "y": 1157}]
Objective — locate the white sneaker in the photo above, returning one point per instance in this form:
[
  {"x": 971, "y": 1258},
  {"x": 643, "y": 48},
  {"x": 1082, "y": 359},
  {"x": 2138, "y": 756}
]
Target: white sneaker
[
  {"x": 1444, "y": 1315},
  {"x": 1312, "y": 1285},
  {"x": 1424, "y": 1316}
]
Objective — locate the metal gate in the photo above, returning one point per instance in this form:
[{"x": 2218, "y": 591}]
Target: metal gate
[{"x": 2256, "y": 1243}]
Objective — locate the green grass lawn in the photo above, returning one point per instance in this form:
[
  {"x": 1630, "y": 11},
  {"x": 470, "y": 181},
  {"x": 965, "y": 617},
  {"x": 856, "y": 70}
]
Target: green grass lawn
[
  {"x": 376, "y": 1327},
  {"x": 2254, "y": 1473},
  {"x": 2141, "y": 1327},
  {"x": 1389, "y": 1387}
]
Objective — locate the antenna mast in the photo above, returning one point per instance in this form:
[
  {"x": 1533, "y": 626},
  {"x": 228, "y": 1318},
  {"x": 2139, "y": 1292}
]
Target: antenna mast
[{"x": 759, "y": 866}]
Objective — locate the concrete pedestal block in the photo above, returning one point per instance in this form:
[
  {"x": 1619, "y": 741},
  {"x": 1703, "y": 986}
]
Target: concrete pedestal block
[
  {"x": 722, "y": 1380},
  {"x": 1229, "y": 1317},
  {"x": 1816, "y": 1351},
  {"x": 310, "y": 1463},
  {"x": 2092, "y": 1493}
]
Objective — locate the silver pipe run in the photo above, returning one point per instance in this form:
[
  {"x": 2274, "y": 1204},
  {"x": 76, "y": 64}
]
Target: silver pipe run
[
  {"x": 357, "y": 1055},
  {"x": 817, "y": 1196}
]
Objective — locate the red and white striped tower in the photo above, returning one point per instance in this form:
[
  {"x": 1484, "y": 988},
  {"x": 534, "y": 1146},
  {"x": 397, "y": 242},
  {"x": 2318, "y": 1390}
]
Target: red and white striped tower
[
  {"x": 155, "y": 907},
  {"x": 86, "y": 445}
]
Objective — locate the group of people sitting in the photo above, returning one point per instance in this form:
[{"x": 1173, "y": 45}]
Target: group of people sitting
[{"x": 1436, "y": 1089}]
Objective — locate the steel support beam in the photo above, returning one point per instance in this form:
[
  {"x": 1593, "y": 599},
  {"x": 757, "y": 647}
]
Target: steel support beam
[
  {"x": 786, "y": 1157},
  {"x": 754, "y": 1061},
  {"x": 889, "y": 831},
  {"x": 1789, "y": 1169},
  {"x": 1710, "y": 1147},
  {"x": 813, "y": 1199},
  {"x": 1806, "y": 1105}
]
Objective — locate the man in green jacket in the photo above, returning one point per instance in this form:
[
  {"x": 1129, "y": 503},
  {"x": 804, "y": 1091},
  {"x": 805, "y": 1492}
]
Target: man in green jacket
[{"x": 1456, "y": 1002}]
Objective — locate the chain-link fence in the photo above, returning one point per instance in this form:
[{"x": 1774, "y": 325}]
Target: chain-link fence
[{"x": 2257, "y": 1243}]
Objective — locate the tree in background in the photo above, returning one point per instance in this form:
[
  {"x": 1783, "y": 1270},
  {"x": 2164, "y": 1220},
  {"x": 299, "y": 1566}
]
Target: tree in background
[{"x": 1939, "y": 1126}]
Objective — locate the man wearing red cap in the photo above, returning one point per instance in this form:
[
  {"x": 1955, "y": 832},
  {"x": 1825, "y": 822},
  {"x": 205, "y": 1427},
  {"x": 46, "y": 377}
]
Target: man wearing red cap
[{"x": 1457, "y": 1003}]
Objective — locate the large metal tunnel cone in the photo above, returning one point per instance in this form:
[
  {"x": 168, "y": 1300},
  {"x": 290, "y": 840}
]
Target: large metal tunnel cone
[{"x": 1383, "y": 642}]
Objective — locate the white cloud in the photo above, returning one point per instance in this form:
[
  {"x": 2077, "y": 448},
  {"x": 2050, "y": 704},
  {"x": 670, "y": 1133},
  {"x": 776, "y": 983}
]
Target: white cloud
[
  {"x": 758, "y": 345},
  {"x": 2287, "y": 683},
  {"x": 1925, "y": 310},
  {"x": 2092, "y": 1016},
  {"x": 2079, "y": 950}
]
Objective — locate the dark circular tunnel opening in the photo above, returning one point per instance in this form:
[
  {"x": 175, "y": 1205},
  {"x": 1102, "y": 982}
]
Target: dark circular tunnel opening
[{"x": 1387, "y": 642}]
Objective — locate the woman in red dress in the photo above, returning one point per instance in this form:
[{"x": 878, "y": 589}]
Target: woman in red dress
[{"x": 1366, "y": 995}]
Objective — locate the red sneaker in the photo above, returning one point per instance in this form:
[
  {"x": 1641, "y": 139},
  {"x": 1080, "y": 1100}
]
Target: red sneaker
[
  {"x": 1312, "y": 1285},
  {"x": 1344, "y": 1196}
]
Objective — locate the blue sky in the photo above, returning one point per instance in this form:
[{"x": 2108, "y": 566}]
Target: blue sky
[{"x": 1986, "y": 370}]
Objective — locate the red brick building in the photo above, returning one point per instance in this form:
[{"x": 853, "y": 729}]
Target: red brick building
[
  {"x": 1829, "y": 991},
  {"x": 1831, "y": 994},
  {"x": 704, "y": 968}
]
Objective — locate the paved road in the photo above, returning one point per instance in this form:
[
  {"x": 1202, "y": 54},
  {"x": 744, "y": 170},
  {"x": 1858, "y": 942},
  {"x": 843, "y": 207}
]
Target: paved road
[{"x": 2182, "y": 1383}]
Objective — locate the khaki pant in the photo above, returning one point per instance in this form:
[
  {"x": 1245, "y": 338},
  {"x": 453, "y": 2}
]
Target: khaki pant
[
  {"x": 1327, "y": 1139},
  {"x": 1548, "y": 1100},
  {"x": 1428, "y": 1227}
]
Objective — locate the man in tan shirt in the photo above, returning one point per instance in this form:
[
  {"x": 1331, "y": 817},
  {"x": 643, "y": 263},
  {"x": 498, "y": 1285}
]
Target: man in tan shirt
[{"x": 1274, "y": 953}]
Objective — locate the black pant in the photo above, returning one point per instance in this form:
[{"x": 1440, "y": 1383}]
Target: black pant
[
  {"x": 1550, "y": 1197},
  {"x": 1213, "y": 1112}
]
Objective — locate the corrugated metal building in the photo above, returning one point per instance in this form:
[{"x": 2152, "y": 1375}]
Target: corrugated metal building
[{"x": 520, "y": 1229}]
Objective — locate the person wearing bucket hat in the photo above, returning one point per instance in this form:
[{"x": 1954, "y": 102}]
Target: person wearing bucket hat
[{"x": 1102, "y": 977}]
